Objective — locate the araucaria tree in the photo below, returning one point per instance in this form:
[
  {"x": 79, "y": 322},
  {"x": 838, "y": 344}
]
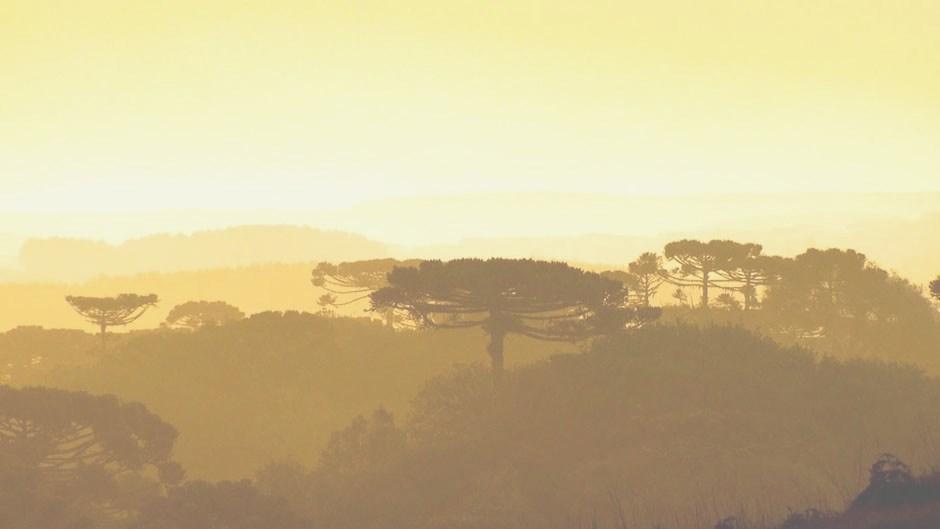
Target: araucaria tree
[
  {"x": 538, "y": 299},
  {"x": 83, "y": 448},
  {"x": 108, "y": 312},
  {"x": 647, "y": 275},
  {"x": 354, "y": 281},
  {"x": 746, "y": 269},
  {"x": 327, "y": 302},
  {"x": 698, "y": 264}
]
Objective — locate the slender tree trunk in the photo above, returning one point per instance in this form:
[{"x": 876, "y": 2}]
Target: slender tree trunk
[
  {"x": 495, "y": 350},
  {"x": 748, "y": 292},
  {"x": 390, "y": 318},
  {"x": 104, "y": 338},
  {"x": 705, "y": 289}
]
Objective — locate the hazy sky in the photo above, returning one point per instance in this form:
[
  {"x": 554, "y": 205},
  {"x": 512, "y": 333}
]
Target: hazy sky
[{"x": 111, "y": 105}]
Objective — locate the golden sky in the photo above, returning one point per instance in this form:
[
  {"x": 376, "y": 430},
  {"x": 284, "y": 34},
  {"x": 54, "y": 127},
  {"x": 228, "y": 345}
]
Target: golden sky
[{"x": 112, "y": 105}]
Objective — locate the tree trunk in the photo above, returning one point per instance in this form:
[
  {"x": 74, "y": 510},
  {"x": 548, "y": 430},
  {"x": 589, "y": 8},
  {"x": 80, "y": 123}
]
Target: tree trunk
[
  {"x": 104, "y": 338},
  {"x": 705, "y": 290},
  {"x": 748, "y": 292},
  {"x": 495, "y": 350}
]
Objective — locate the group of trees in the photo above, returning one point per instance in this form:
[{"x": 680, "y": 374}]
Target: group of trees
[
  {"x": 101, "y": 459},
  {"x": 811, "y": 294},
  {"x": 123, "y": 309},
  {"x": 543, "y": 300},
  {"x": 819, "y": 293}
]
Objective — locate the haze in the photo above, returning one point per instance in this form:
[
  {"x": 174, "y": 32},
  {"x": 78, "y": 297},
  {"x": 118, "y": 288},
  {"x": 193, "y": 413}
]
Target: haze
[
  {"x": 117, "y": 106},
  {"x": 469, "y": 264}
]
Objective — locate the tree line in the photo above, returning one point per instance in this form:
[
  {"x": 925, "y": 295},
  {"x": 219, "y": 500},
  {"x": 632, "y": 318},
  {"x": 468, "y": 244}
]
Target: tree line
[{"x": 818, "y": 293}]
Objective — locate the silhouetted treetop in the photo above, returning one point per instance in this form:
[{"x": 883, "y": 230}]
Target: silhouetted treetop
[
  {"x": 60, "y": 432},
  {"x": 539, "y": 299},
  {"x": 935, "y": 288},
  {"x": 196, "y": 314},
  {"x": 356, "y": 277},
  {"x": 699, "y": 262},
  {"x": 107, "y": 312},
  {"x": 79, "y": 460},
  {"x": 353, "y": 281},
  {"x": 647, "y": 275},
  {"x": 834, "y": 283},
  {"x": 747, "y": 269}
]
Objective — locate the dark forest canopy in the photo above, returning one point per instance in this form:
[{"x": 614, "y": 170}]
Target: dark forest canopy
[
  {"x": 72, "y": 454},
  {"x": 664, "y": 418},
  {"x": 644, "y": 420},
  {"x": 291, "y": 376}
]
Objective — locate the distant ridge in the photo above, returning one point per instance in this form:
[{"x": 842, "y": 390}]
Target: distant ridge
[
  {"x": 74, "y": 259},
  {"x": 900, "y": 231}
]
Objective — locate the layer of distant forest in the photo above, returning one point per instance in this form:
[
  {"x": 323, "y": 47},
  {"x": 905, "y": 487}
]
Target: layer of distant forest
[{"x": 703, "y": 383}]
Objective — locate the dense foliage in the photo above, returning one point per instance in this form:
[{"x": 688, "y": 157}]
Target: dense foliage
[
  {"x": 276, "y": 384},
  {"x": 671, "y": 425}
]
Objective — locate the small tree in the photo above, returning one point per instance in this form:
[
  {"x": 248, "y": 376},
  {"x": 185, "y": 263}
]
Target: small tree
[
  {"x": 726, "y": 301},
  {"x": 538, "y": 299},
  {"x": 888, "y": 484},
  {"x": 197, "y": 314},
  {"x": 680, "y": 296},
  {"x": 107, "y": 312},
  {"x": 326, "y": 303},
  {"x": 935, "y": 288}
]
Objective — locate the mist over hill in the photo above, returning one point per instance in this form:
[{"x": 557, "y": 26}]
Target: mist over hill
[
  {"x": 71, "y": 259},
  {"x": 900, "y": 231}
]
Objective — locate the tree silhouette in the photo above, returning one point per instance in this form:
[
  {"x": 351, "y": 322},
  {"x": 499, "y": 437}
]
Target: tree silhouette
[
  {"x": 746, "y": 269},
  {"x": 889, "y": 482},
  {"x": 196, "y": 314},
  {"x": 647, "y": 276},
  {"x": 538, "y": 299},
  {"x": 84, "y": 446},
  {"x": 848, "y": 305},
  {"x": 727, "y": 301},
  {"x": 680, "y": 296},
  {"x": 110, "y": 311},
  {"x": 699, "y": 263},
  {"x": 826, "y": 284},
  {"x": 327, "y": 302},
  {"x": 356, "y": 280},
  {"x": 935, "y": 288}
]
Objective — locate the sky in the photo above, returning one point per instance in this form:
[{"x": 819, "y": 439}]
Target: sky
[{"x": 109, "y": 106}]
